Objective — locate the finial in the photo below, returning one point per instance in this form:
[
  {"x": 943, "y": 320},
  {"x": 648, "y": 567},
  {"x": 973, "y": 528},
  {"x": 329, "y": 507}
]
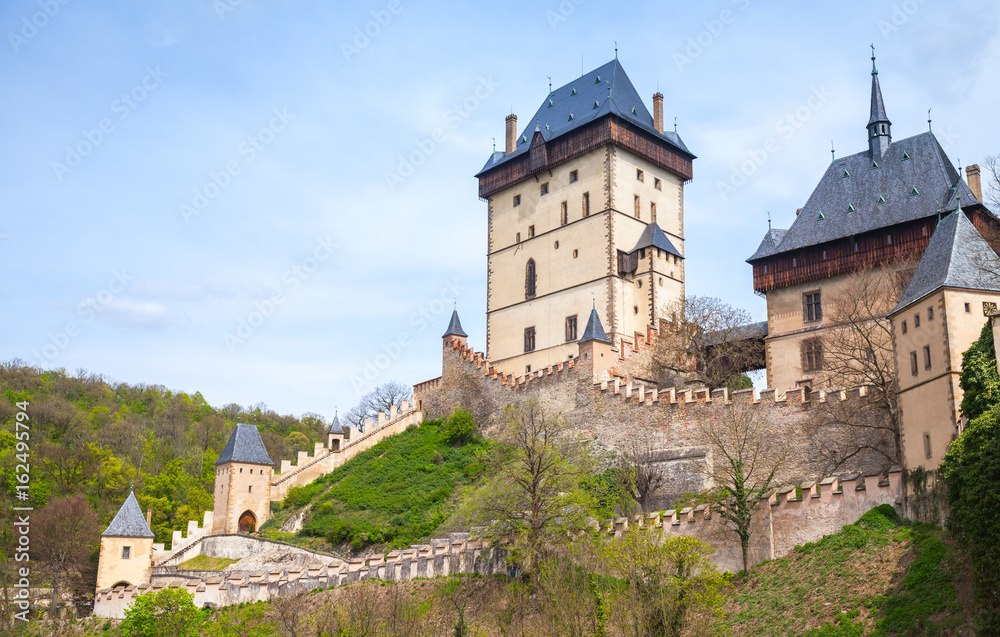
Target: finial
[
  {"x": 768, "y": 220},
  {"x": 929, "y": 120},
  {"x": 616, "y": 49},
  {"x": 675, "y": 124},
  {"x": 593, "y": 300},
  {"x": 833, "y": 155},
  {"x": 494, "y": 144},
  {"x": 874, "y": 70},
  {"x": 550, "y": 84}
]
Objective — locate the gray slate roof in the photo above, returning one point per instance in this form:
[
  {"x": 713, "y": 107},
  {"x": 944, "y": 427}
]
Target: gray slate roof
[
  {"x": 769, "y": 244},
  {"x": 335, "y": 426},
  {"x": 928, "y": 170},
  {"x": 957, "y": 256},
  {"x": 878, "y": 107},
  {"x": 579, "y": 98},
  {"x": 654, "y": 237},
  {"x": 455, "y": 326},
  {"x": 245, "y": 445},
  {"x": 129, "y": 521},
  {"x": 594, "y": 330}
]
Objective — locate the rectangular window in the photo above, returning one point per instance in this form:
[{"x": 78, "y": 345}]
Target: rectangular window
[
  {"x": 576, "y": 253},
  {"x": 904, "y": 327},
  {"x": 586, "y": 208},
  {"x": 126, "y": 552},
  {"x": 639, "y": 174},
  {"x": 531, "y": 231},
  {"x": 250, "y": 489},
  {"x": 930, "y": 314},
  {"x": 812, "y": 355},
  {"x": 529, "y": 339},
  {"x": 967, "y": 308},
  {"x": 657, "y": 184},
  {"x": 813, "y": 307},
  {"x": 927, "y": 356},
  {"x": 916, "y": 320},
  {"x": 637, "y": 210},
  {"x": 574, "y": 176},
  {"x": 563, "y": 213},
  {"x": 544, "y": 189},
  {"x": 913, "y": 363},
  {"x": 571, "y": 328},
  {"x": 652, "y": 210},
  {"x": 517, "y": 200},
  {"x": 517, "y": 238},
  {"x": 927, "y": 445}
]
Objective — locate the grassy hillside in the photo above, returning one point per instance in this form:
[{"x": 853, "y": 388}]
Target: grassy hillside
[
  {"x": 396, "y": 493},
  {"x": 880, "y": 576}
]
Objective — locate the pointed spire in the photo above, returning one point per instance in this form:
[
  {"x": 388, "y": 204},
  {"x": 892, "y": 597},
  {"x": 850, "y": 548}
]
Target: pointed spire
[
  {"x": 129, "y": 521},
  {"x": 594, "y": 330},
  {"x": 455, "y": 326},
  {"x": 879, "y": 126},
  {"x": 246, "y": 446}
]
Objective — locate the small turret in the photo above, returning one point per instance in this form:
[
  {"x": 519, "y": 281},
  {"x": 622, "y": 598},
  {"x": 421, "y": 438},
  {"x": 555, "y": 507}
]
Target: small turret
[
  {"x": 595, "y": 346},
  {"x": 126, "y": 557},
  {"x": 879, "y": 126},
  {"x": 455, "y": 331}
]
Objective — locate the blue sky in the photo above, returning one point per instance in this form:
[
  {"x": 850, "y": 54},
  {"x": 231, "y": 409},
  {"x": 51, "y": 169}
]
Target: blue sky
[{"x": 274, "y": 201}]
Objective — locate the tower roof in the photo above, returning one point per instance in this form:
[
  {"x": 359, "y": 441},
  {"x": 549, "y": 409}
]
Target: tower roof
[
  {"x": 335, "y": 426},
  {"x": 957, "y": 256},
  {"x": 769, "y": 244},
  {"x": 455, "y": 326},
  {"x": 878, "y": 107},
  {"x": 246, "y": 446},
  {"x": 594, "y": 330},
  {"x": 914, "y": 179},
  {"x": 604, "y": 91},
  {"x": 129, "y": 521},
  {"x": 654, "y": 237}
]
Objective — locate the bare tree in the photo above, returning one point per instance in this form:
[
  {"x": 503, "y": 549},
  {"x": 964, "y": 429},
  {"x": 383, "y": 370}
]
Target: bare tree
[
  {"x": 746, "y": 457},
  {"x": 991, "y": 192},
  {"x": 858, "y": 352},
  {"x": 637, "y": 461},
  {"x": 382, "y": 398},
  {"x": 535, "y": 494},
  {"x": 707, "y": 341}
]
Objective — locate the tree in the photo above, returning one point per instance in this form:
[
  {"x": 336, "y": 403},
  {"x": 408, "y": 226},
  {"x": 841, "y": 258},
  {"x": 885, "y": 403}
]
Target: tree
[
  {"x": 382, "y": 398},
  {"x": 708, "y": 342},
  {"x": 746, "y": 457},
  {"x": 65, "y": 532},
  {"x": 637, "y": 466},
  {"x": 535, "y": 495},
  {"x": 980, "y": 381},
  {"x": 858, "y": 351},
  {"x": 991, "y": 193},
  {"x": 168, "y": 613},
  {"x": 670, "y": 586}
]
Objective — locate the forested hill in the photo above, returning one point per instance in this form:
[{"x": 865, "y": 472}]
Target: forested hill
[{"x": 93, "y": 437}]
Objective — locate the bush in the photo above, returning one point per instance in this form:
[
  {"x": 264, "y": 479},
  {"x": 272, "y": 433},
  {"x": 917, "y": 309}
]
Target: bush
[
  {"x": 459, "y": 428},
  {"x": 169, "y": 613}
]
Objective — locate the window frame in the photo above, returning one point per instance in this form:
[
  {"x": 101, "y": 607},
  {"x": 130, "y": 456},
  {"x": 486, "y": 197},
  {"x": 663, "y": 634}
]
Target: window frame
[
  {"x": 571, "y": 328},
  {"x": 812, "y": 306},
  {"x": 529, "y": 339},
  {"x": 812, "y": 355}
]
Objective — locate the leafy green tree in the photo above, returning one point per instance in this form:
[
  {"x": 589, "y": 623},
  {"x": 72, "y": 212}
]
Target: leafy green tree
[
  {"x": 239, "y": 621},
  {"x": 169, "y": 613},
  {"x": 459, "y": 427},
  {"x": 979, "y": 380}
]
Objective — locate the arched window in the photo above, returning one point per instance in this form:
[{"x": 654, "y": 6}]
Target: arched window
[{"x": 529, "y": 280}]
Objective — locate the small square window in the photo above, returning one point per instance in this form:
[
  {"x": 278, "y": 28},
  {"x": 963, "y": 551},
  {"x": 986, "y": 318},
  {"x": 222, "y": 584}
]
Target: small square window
[
  {"x": 967, "y": 308},
  {"x": 251, "y": 489},
  {"x": 126, "y": 552},
  {"x": 574, "y": 176},
  {"x": 576, "y": 253},
  {"x": 635, "y": 309},
  {"x": 527, "y": 369},
  {"x": 657, "y": 183},
  {"x": 544, "y": 189},
  {"x": 517, "y": 200},
  {"x": 531, "y": 231},
  {"x": 639, "y": 174}
]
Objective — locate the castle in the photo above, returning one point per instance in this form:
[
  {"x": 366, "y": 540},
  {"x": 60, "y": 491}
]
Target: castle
[{"x": 586, "y": 208}]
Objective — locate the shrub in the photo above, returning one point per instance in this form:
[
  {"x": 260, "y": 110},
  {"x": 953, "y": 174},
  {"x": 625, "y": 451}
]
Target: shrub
[
  {"x": 459, "y": 428},
  {"x": 169, "y": 613}
]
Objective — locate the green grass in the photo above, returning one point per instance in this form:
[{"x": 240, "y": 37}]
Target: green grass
[
  {"x": 395, "y": 493},
  {"x": 879, "y": 576},
  {"x": 205, "y": 563}
]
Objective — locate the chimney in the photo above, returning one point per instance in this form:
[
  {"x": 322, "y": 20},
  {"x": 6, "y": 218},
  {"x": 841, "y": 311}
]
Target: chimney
[
  {"x": 972, "y": 178},
  {"x": 511, "y": 134},
  {"x": 149, "y": 517},
  {"x": 658, "y": 111}
]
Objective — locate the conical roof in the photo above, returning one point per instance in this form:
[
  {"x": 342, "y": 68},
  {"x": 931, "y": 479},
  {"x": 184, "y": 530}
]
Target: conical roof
[
  {"x": 246, "y": 446},
  {"x": 129, "y": 521},
  {"x": 654, "y": 237},
  {"x": 335, "y": 426},
  {"x": 594, "y": 330},
  {"x": 957, "y": 256},
  {"x": 455, "y": 326}
]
